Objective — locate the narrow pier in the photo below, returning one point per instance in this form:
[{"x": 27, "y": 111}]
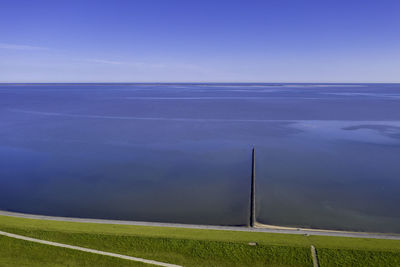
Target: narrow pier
[{"x": 253, "y": 190}]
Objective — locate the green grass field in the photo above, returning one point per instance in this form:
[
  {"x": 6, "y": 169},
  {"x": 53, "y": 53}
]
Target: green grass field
[
  {"x": 15, "y": 252},
  {"x": 188, "y": 247}
]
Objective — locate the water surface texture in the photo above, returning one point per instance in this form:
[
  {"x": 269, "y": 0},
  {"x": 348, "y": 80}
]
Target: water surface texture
[{"x": 328, "y": 155}]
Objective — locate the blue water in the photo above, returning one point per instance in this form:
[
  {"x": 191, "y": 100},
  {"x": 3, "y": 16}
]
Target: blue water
[{"x": 328, "y": 155}]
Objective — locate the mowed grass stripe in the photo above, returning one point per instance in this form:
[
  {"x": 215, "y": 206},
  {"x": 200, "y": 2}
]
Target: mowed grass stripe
[{"x": 362, "y": 258}]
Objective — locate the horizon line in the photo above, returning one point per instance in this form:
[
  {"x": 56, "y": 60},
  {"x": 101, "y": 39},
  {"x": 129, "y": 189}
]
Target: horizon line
[{"x": 197, "y": 82}]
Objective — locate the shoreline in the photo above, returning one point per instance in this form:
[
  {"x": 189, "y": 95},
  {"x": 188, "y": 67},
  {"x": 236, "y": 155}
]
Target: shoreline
[{"x": 258, "y": 226}]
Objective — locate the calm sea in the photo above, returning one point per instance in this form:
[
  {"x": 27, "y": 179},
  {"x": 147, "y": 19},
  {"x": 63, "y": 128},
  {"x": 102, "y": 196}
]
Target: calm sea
[{"x": 327, "y": 155}]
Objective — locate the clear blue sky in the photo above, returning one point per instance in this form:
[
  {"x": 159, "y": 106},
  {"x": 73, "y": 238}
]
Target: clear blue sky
[{"x": 200, "y": 41}]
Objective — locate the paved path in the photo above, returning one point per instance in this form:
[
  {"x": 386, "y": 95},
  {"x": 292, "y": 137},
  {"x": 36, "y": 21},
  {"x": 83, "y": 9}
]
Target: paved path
[
  {"x": 265, "y": 229},
  {"x": 314, "y": 256},
  {"x": 88, "y": 250}
]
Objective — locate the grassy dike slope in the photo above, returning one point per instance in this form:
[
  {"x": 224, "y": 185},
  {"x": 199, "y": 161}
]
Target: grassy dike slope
[
  {"x": 188, "y": 247},
  {"x": 15, "y": 252}
]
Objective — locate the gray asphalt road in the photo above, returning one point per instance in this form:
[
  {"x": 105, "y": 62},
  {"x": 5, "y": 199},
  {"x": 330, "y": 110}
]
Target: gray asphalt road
[{"x": 297, "y": 231}]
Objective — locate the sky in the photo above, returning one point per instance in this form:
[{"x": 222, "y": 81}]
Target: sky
[{"x": 200, "y": 41}]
